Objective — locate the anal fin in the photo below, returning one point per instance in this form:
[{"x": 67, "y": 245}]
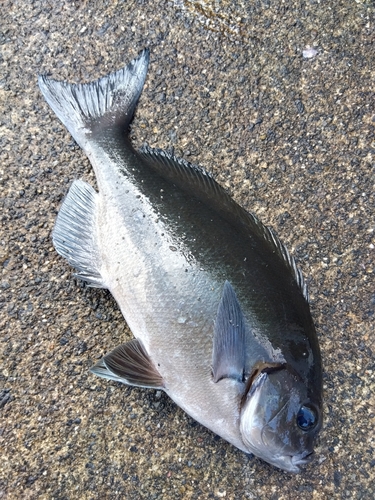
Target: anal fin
[
  {"x": 130, "y": 364},
  {"x": 74, "y": 234}
]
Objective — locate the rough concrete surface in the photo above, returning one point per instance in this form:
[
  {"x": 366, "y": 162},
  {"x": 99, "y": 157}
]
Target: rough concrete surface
[{"x": 291, "y": 137}]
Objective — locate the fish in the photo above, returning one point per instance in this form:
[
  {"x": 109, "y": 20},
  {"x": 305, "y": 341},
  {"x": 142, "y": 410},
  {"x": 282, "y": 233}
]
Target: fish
[{"x": 217, "y": 305}]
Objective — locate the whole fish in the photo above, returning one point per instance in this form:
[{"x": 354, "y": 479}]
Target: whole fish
[{"x": 217, "y": 305}]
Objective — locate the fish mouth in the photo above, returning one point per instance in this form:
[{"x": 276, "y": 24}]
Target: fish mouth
[{"x": 292, "y": 463}]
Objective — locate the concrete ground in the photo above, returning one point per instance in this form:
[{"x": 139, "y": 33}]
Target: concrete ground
[{"x": 291, "y": 137}]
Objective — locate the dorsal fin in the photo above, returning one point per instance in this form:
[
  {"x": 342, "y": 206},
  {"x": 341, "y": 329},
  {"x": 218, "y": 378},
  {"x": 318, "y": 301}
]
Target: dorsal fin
[{"x": 201, "y": 184}]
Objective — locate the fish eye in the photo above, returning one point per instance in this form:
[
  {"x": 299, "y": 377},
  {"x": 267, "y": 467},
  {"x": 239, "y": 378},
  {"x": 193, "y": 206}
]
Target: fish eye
[{"x": 306, "y": 418}]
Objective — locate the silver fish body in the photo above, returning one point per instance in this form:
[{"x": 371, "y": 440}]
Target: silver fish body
[{"x": 217, "y": 305}]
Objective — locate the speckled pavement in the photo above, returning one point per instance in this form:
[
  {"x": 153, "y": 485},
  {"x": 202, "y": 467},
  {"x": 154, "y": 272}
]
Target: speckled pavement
[{"x": 276, "y": 99}]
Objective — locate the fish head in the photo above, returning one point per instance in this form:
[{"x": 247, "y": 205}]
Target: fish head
[{"x": 279, "y": 420}]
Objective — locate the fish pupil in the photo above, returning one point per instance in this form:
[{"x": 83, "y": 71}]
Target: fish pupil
[{"x": 306, "y": 418}]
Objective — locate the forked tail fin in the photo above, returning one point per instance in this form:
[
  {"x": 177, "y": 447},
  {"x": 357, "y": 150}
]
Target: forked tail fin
[{"x": 86, "y": 109}]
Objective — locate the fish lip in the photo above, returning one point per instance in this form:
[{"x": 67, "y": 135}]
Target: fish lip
[
  {"x": 293, "y": 462},
  {"x": 290, "y": 463},
  {"x": 303, "y": 459}
]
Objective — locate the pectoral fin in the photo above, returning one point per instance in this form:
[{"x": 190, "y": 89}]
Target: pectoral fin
[
  {"x": 229, "y": 347},
  {"x": 235, "y": 347},
  {"x": 130, "y": 364}
]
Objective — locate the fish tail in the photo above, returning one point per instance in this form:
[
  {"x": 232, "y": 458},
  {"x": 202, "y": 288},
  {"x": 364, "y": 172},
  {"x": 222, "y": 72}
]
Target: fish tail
[{"x": 88, "y": 108}]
